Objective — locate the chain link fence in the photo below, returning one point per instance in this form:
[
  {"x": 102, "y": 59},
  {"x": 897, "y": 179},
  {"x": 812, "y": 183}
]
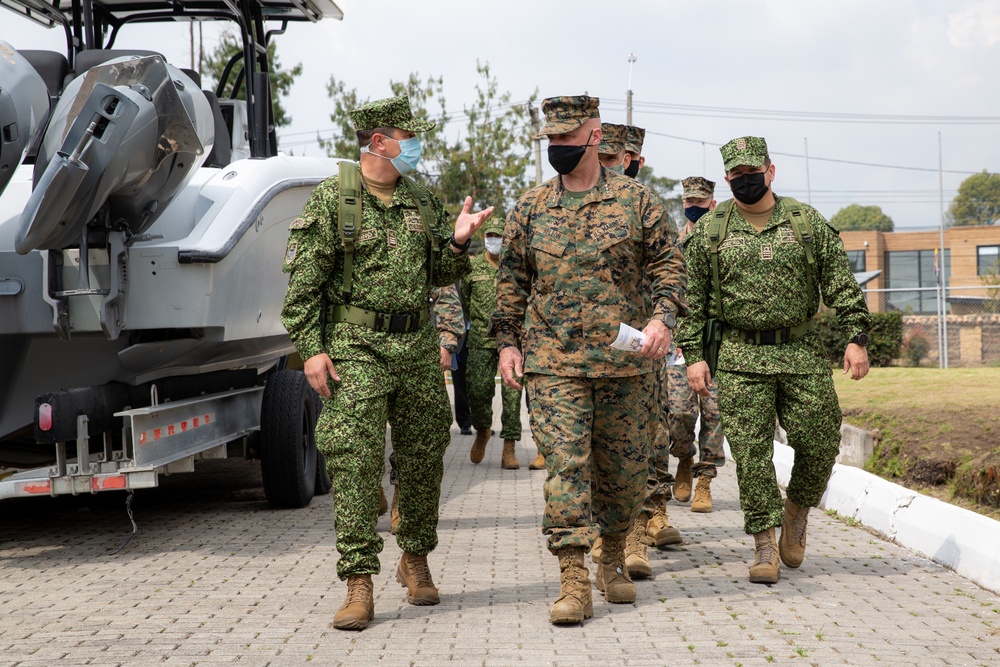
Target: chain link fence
[{"x": 954, "y": 327}]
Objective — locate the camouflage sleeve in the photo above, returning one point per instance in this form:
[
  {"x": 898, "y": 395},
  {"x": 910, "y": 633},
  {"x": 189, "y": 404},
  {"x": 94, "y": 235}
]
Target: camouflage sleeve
[
  {"x": 837, "y": 283},
  {"x": 448, "y": 316},
  {"x": 664, "y": 260},
  {"x": 699, "y": 281},
  {"x": 513, "y": 282},
  {"x": 452, "y": 266},
  {"x": 309, "y": 259}
]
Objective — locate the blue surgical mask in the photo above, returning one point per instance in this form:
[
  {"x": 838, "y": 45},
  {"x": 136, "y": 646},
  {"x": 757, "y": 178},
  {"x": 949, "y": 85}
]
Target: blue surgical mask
[
  {"x": 493, "y": 244},
  {"x": 694, "y": 213},
  {"x": 409, "y": 154}
]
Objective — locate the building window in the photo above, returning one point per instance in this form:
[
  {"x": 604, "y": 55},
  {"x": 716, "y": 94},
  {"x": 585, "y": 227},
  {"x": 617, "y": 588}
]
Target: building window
[
  {"x": 913, "y": 268},
  {"x": 857, "y": 260},
  {"x": 988, "y": 260}
]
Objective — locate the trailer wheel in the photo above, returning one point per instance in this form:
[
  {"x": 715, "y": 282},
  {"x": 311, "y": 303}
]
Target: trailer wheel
[
  {"x": 288, "y": 456},
  {"x": 323, "y": 483}
]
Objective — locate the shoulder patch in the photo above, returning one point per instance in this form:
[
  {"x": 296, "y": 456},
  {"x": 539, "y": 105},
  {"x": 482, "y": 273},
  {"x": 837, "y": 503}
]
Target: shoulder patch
[{"x": 300, "y": 223}]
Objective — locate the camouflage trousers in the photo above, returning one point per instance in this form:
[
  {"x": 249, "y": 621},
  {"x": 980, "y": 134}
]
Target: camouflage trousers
[
  {"x": 807, "y": 408},
  {"x": 351, "y": 432},
  {"x": 593, "y": 433},
  {"x": 480, "y": 377},
  {"x": 683, "y": 407}
]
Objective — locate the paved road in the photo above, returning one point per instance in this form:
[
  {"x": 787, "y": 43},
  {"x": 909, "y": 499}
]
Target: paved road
[{"x": 215, "y": 577}]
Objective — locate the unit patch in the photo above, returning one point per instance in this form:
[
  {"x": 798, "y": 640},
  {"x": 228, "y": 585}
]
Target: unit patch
[
  {"x": 291, "y": 252},
  {"x": 300, "y": 223},
  {"x": 786, "y": 235},
  {"x": 733, "y": 241},
  {"x": 411, "y": 218},
  {"x": 366, "y": 235}
]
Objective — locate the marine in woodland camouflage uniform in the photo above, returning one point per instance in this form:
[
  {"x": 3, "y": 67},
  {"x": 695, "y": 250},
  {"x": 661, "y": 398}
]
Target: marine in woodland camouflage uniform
[
  {"x": 576, "y": 250},
  {"x": 384, "y": 369},
  {"x": 765, "y": 289}
]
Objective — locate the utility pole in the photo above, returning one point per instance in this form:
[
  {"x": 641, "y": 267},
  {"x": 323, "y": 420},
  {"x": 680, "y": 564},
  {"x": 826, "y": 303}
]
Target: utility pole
[
  {"x": 628, "y": 94},
  {"x": 943, "y": 363},
  {"x": 809, "y": 196},
  {"x": 533, "y": 112}
]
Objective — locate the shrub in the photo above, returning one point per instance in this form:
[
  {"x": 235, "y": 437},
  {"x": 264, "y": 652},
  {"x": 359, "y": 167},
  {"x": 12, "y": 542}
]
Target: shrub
[{"x": 884, "y": 339}]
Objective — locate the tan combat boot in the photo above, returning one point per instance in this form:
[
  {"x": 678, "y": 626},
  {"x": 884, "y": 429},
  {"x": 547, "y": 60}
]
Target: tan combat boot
[
  {"x": 595, "y": 551},
  {"x": 702, "y": 495},
  {"x": 636, "y": 558},
  {"x": 792, "y": 546},
  {"x": 765, "y": 569},
  {"x": 359, "y": 607},
  {"x": 538, "y": 463},
  {"x": 612, "y": 574},
  {"x": 394, "y": 510},
  {"x": 659, "y": 529},
  {"x": 414, "y": 574},
  {"x": 508, "y": 461},
  {"x": 682, "y": 481},
  {"x": 383, "y": 504},
  {"x": 478, "y": 450},
  {"x": 574, "y": 603}
]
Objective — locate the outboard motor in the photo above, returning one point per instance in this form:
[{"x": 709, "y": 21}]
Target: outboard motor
[
  {"x": 121, "y": 142},
  {"x": 24, "y": 103}
]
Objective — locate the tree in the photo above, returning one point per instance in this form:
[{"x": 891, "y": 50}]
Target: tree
[
  {"x": 214, "y": 63},
  {"x": 857, "y": 217},
  {"x": 664, "y": 187},
  {"x": 977, "y": 201}
]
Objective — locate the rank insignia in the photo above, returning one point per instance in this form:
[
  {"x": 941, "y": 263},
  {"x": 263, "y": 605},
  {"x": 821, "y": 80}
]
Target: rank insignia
[
  {"x": 392, "y": 240},
  {"x": 766, "y": 252}
]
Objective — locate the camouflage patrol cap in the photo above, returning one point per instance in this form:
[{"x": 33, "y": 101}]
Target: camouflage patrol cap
[
  {"x": 565, "y": 114},
  {"x": 633, "y": 139},
  {"x": 697, "y": 187},
  {"x": 493, "y": 225},
  {"x": 390, "y": 112},
  {"x": 612, "y": 139},
  {"x": 746, "y": 151}
]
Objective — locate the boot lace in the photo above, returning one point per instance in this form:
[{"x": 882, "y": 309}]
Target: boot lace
[
  {"x": 359, "y": 590},
  {"x": 799, "y": 522},
  {"x": 635, "y": 542},
  {"x": 766, "y": 551},
  {"x": 419, "y": 570}
]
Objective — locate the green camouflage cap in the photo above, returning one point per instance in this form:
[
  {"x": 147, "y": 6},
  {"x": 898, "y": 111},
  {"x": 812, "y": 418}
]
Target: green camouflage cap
[
  {"x": 390, "y": 112},
  {"x": 612, "y": 139},
  {"x": 634, "y": 139},
  {"x": 493, "y": 225},
  {"x": 746, "y": 151},
  {"x": 697, "y": 187},
  {"x": 565, "y": 114}
]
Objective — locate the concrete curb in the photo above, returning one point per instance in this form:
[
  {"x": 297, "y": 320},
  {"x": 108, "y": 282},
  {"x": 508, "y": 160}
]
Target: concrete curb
[{"x": 957, "y": 538}]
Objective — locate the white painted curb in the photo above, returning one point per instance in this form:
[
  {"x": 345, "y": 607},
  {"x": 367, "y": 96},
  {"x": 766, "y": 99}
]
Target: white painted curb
[{"x": 957, "y": 538}]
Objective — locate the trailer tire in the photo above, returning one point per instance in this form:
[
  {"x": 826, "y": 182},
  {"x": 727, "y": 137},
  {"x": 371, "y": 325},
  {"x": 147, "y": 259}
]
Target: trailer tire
[
  {"x": 323, "y": 483},
  {"x": 288, "y": 455}
]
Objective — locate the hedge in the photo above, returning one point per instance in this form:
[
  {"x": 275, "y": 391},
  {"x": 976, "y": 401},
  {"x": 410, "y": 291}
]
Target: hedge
[{"x": 885, "y": 338}]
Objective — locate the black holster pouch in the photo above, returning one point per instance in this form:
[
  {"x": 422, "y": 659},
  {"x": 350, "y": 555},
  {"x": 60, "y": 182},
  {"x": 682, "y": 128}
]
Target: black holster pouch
[{"x": 711, "y": 339}]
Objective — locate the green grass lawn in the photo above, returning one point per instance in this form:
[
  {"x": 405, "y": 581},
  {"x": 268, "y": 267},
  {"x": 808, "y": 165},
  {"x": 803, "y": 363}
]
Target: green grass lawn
[{"x": 917, "y": 389}]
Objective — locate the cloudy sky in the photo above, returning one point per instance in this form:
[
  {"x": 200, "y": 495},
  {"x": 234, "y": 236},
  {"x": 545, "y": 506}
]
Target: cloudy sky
[{"x": 867, "y": 85}]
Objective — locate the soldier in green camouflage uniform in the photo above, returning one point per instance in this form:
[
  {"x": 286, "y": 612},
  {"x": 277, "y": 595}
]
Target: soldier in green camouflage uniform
[
  {"x": 576, "y": 250},
  {"x": 379, "y": 362},
  {"x": 771, "y": 361},
  {"x": 479, "y": 295}
]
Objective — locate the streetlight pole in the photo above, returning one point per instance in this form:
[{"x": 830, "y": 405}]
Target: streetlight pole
[{"x": 628, "y": 94}]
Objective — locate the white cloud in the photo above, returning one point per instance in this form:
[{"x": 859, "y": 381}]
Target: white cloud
[{"x": 975, "y": 26}]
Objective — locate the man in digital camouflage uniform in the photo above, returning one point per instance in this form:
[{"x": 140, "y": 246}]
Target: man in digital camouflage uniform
[
  {"x": 771, "y": 361},
  {"x": 684, "y": 405},
  {"x": 479, "y": 295},
  {"x": 380, "y": 350},
  {"x": 576, "y": 250}
]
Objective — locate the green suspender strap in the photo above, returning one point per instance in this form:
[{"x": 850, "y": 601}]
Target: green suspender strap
[
  {"x": 350, "y": 219},
  {"x": 803, "y": 234},
  {"x": 717, "y": 229},
  {"x": 427, "y": 218}
]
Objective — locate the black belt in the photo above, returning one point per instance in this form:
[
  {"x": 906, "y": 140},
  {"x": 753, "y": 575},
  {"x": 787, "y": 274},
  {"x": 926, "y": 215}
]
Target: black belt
[
  {"x": 768, "y": 336},
  {"x": 387, "y": 322}
]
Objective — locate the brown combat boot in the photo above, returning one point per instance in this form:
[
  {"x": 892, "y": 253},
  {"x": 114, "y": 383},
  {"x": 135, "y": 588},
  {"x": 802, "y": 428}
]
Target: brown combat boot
[
  {"x": 394, "y": 510},
  {"x": 636, "y": 558},
  {"x": 792, "y": 546},
  {"x": 538, "y": 463},
  {"x": 659, "y": 529},
  {"x": 765, "y": 568},
  {"x": 414, "y": 574},
  {"x": 612, "y": 574},
  {"x": 383, "y": 504},
  {"x": 359, "y": 607},
  {"x": 574, "y": 603},
  {"x": 595, "y": 551},
  {"x": 702, "y": 495},
  {"x": 508, "y": 461},
  {"x": 682, "y": 481},
  {"x": 478, "y": 450}
]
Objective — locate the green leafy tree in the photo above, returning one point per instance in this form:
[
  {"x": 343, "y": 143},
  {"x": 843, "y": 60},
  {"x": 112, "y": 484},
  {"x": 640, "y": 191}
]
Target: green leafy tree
[
  {"x": 857, "y": 217},
  {"x": 977, "y": 201},
  {"x": 214, "y": 63},
  {"x": 663, "y": 186}
]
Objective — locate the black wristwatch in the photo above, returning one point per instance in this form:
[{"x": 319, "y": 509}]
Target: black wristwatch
[
  {"x": 861, "y": 339},
  {"x": 461, "y": 247},
  {"x": 669, "y": 320}
]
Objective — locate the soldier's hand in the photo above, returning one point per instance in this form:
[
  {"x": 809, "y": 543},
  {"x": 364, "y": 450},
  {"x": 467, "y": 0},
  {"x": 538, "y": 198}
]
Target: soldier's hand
[
  {"x": 700, "y": 378},
  {"x": 467, "y": 223},
  {"x": 657, "y": 340},
  {"x": 317, "y": 369},
  {"x": 856, "y": 361},
  {"x": 445, "y": 358},
  {"x": 511, "y": 369}
]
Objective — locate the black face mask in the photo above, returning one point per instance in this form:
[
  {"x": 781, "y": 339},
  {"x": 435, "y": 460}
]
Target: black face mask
[
  {"x": 565, "y": 158},
  {"x": 694, "y": 213},
  {"x": 749, "y": 188},
  {"x": 633, "y": 168}
]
